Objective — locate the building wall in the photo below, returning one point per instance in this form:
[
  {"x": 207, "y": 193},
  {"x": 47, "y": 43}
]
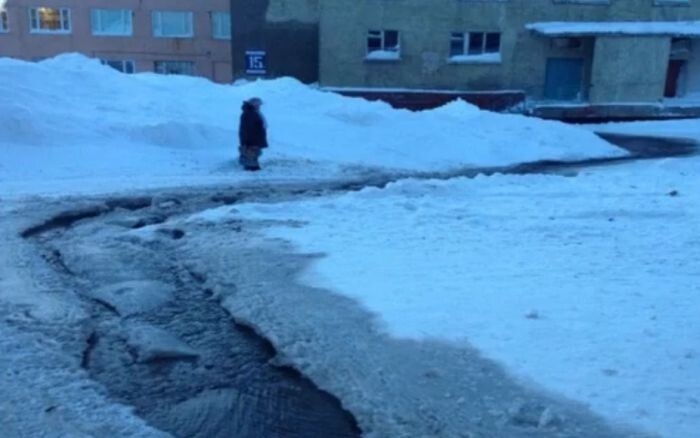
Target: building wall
[
  {"x": 286, "y": 30},
  {"x": 615, "y": 81},
  {"x": 692, "y": 76},
  {"x": 425, "y": 41},
  {"x": 212, "y": 57}
]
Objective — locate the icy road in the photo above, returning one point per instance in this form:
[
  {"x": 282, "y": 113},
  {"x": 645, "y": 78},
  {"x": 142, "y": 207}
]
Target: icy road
[{"x": 175, "y": 312}]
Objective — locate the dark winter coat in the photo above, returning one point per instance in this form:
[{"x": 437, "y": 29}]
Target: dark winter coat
[{"x": 252, "y": 131}]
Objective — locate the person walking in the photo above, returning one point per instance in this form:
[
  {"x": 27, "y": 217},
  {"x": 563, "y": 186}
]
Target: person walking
[{"x": 252, "y": 133}]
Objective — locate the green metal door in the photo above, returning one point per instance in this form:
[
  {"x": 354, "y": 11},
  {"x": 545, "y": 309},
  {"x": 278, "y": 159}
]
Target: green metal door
[{"x": 564, "y": 79}]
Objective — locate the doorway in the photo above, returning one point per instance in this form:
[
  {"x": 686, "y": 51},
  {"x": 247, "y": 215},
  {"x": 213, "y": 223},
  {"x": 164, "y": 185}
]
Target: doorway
[
  {"x": 675, "y": 69},
  {"x": 564, "y": 79}
]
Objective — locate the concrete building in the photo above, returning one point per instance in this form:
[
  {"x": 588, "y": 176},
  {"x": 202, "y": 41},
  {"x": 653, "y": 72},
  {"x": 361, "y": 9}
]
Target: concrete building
[
  {"x": 165, "y": 36},
  {"x": 567, "y": 58}
]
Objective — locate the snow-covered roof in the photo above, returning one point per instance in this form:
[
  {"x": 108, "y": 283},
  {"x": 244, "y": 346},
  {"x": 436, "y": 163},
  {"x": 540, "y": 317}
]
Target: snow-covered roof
[{"x": 563, "y": 28}]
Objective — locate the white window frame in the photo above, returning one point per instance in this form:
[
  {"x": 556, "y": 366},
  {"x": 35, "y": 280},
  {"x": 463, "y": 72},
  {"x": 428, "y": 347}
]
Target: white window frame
[
  {"x": 124, "y": 63},
  {"x": 484, "y": 38},
  {"x": 167, "y": 61},
  {"x": 384, "y": 53},
  {"x": 483, "y": 57},
  {"x": 96, "y": 18},
  {"x": 462, "y": 37},
  {"x": 34, "y": 18},
  {"x": 157, "y": 24},
  {"x": 381, "y": 34},
  {"x": 4, "y": 22},
  {"x": 215, "y": 25}
]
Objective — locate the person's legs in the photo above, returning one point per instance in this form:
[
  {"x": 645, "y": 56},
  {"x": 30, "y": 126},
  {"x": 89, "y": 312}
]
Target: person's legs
[
  {"x": 249, "y": 157},
  {"x": 254, "y": 163}
]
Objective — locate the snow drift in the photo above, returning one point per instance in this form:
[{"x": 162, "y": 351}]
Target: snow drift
[{"x": 99, "y": 121}]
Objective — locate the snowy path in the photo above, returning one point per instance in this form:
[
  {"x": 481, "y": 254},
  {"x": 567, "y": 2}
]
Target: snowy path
[
  {"x": 394, "y": 386},
  {"x": 587, "y": 286},
  {"x": 472, "y": 392}
]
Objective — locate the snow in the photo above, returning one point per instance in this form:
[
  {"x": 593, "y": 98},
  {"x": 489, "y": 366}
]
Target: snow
[
  {"x": 564, "y": 281},
  {"x": 44, "y": 390},
  {"x": 414, "y": 90},
  {"x": 587, "y": 285},
  {"x": 384, "y": 55},
  {"x": 484, "y": 58},
  {"x": 564, "y": 28},
  {"x": 151, "y": 344},
  {"x": 134, "y": 297},
  {"x": 120, "y": 132},
  {"x": 688, "y": 128}
]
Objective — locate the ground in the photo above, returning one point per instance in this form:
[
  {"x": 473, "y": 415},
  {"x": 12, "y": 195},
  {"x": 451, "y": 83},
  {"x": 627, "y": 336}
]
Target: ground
[{"x": 559, "y": 303}]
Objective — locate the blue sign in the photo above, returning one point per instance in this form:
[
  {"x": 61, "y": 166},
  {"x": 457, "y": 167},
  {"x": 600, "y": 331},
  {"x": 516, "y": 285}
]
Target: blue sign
[{"x": 255, "y": 62}]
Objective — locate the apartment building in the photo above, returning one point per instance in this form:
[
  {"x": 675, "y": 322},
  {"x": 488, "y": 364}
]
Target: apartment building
[
  {"x": 588, "y": 57},
  {"x": 164, "y": 36}
]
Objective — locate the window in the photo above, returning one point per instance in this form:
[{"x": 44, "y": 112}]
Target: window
[
  {"x": 584, "y": 2},
  {"x": 383, "y": 45},
  {"x": 111, "y": 22},
  {"x": 122, "y": 66},
  {"x": 172, "y": 24},
  {"x": 175, "y": 67},
  {"x": 457, "y": 44},
  {"x": 221, "y": 25},
  {"x": 4, "y": 24},
  {"x": 671, "y": 2},
  {"x": 49, "y": 20},
  {"x": 482, "y": 47}
]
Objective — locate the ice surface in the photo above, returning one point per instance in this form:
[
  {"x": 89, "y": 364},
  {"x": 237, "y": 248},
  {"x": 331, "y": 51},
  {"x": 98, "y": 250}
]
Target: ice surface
[
  {"x": 585, "y": 285},
  {"x": 132, "y": 297},
  {"x": 151, "y": 343},
  {"x": 689, "y": 128}
]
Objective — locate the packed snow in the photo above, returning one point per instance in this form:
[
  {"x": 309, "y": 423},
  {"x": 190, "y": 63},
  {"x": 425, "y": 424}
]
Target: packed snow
[
  {"x": 69, "y": 124},
  {"x": 587, "y": 285},
  {"x": 573, "y": 28},
  {"x": 384, "y": 55},
  {"x": 484, "y": 58},
  {"x": 684, "y": 129}
]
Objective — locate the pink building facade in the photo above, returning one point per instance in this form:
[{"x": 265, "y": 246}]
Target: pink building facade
[{"x": 164, "y": 36}]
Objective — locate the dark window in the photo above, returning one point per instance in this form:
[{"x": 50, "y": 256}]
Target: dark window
[
  {"x": 383, "y": 41},
  {"x": 4, "y": 26},
  {"x": 391, "y": 40},
  {"x": 122, "y": 66},
  {"x": 476, "y": 43},
  {"x": 457, "y": 44},
  {"x": 493, "y": 43},
  {"x": 175, "y": 67},
  {"x": 374, "y": 41}
]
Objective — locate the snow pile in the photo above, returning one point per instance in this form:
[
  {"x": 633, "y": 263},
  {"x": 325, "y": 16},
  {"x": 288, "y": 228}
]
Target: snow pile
[
  {"x": 585, "y": 285},
  {"x": 70, "y": 118}
]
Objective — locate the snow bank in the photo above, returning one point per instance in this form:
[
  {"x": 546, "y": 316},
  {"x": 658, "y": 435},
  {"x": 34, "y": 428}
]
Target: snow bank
[
  {"x": 573, "y": 28},
  {"x": 71, "y": 118},
  {"x": 585, "y": 285},
  {"x": 688, "y": 129}
]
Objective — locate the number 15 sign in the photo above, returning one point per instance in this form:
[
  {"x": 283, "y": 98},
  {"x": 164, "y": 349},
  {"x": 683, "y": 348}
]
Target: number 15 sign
[{"x": 255, "y": 62}]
